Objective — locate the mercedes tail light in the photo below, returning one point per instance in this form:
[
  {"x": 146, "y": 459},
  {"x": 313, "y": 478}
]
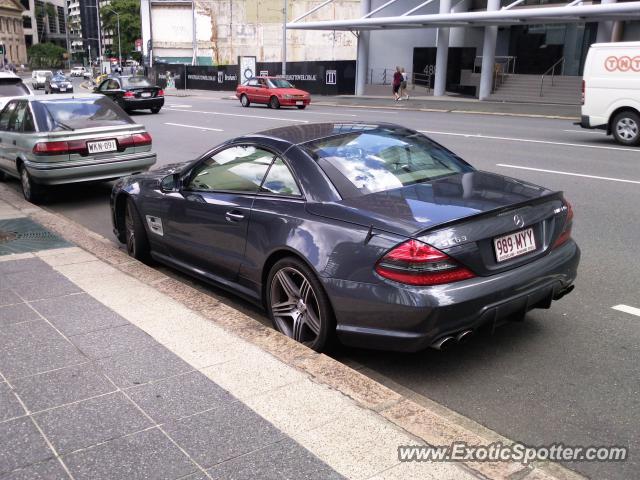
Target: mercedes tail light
[
  {"x": 128, "y": 94},
  {"x": 416, "y": 263},
  {"x": 160, "y": 93},
  {"x": 565, "y": 234}
]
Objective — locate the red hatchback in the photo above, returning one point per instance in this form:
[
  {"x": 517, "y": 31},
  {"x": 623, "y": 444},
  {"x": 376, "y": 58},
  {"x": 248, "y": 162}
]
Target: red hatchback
[{"x": 272, "y": 91}]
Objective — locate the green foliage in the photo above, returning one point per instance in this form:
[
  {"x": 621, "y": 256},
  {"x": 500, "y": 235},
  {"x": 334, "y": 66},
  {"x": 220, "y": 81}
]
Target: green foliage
[
  {"x": 46, "y": 55},
  {"x": 129, "y": 11}
]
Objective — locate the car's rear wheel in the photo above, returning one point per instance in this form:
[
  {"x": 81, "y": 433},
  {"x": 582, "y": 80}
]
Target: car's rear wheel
[
  {"x": 274, "y": 103},
  {"x": 626, "y": 128},
  {"x": 155, "y": 110},
  {"x": 135, "y": 235},
  {"x": 244, "y": 100},
  {"x": 31, "y": 191},
  {"x": 301, "y": 107},
  {"x": 298, "y": 305}
]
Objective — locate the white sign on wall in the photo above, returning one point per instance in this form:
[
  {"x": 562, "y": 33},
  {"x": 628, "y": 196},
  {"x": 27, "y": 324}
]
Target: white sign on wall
[{"x": 247, "y": 68}]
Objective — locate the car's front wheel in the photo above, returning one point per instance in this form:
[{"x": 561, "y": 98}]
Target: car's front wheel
[
  {"x": 31, "y": 191},
  {"x": 298, "y": 305},
  {"x": 135, "y": 234},
  {"x": 274, "y": 103},
  {"x": 626, "y": 128},
  {"x": 244, "y": 100}
]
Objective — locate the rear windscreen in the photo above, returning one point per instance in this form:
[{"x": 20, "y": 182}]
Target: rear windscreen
[
  {"x": 76, "y": 113},
  {"x": 135, "y": 82},
  {"x": 13, "y": 88}
]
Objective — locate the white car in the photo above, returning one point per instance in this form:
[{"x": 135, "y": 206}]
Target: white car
[
  {"x": 11, "y": 86},
  {"x": 611, "y": 90},
  {"x": 39, "y": 78},
  {"x": 78, "y": 71}
]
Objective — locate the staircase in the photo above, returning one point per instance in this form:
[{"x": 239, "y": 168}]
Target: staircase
[{"x": 526, "y": 89}]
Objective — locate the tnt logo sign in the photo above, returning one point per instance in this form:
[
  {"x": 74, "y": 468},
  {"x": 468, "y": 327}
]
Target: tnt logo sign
[
  {"x": 331, "y": 77},
  {"x": 622, "y": 64}
]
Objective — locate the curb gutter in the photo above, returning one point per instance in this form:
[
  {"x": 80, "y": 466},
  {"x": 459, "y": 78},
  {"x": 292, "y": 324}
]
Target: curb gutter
[{"x": 428, "y": 424}]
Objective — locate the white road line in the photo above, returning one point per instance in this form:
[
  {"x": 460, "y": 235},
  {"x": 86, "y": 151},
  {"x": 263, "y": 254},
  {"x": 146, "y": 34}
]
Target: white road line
[
  {"x": 601, "y": 132},
  {"x": 194, "y": 126},
  {"x": 238, "y": 115},
  {"x": 528, "y": 140},
  {"x": 627, "y": 309},
  {"x": 637, "y": 182},
  {"x": 178, "y": 105}
]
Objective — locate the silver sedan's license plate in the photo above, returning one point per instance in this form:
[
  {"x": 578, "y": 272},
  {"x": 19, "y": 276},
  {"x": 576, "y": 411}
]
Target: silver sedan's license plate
[
  {"x": 102, "y": 146},
  {"x": 514, "y": 244}
]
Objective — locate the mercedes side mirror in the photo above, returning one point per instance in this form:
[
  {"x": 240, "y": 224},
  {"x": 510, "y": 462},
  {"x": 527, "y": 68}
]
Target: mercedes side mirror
[{"x": 170, "y": 183}]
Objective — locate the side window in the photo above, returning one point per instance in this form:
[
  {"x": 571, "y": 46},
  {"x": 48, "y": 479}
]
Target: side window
[
  {"x": 16, "y": 120},
  {"x": 252, "y": 82},
  {"x": 6, "y": 114},
  {"x": 28, "y": 125},
  {"x": 104, "y": 85},
  {"x": 237, "y": 169},
  {"x": 280, "y": 180}
]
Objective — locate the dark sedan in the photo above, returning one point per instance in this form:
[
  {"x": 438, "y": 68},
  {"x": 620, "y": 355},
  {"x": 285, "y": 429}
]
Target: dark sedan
[
  {"x": 371, "y": 234},
  {"x": 58, "y": 84},
  {"x": 132, "y": 93}
]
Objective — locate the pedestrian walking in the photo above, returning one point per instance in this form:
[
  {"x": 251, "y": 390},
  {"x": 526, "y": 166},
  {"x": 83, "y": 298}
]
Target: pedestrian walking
[
  {"x": 397, "y": 81},
  {"x": 403, "y": 85}
]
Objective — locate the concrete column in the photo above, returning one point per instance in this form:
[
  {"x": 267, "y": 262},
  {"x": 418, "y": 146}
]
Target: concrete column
[
  {"x": 442, "y": 54},
  {"x": 362, "y": 59},
  {"x": 605, "y": 29},
  {"x": 488, "y": 55}
]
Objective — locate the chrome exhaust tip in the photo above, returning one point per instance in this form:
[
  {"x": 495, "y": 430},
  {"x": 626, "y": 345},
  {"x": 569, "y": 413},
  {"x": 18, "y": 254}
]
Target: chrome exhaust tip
[
  {"x": 443, "y": 343},
  {"x": 463, "y": 337}
]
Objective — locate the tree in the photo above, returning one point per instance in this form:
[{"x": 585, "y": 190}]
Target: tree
[
  {"x": 130, "y": 24},
  {"x": 46, "y": 55}
]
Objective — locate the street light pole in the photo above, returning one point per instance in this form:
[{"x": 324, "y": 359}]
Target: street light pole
[
  {"x": 119, "y": 43},
  {"x": 284, "y": 38}
]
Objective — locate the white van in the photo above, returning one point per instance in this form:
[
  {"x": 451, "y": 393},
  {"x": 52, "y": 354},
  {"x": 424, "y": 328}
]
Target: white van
[{"x": 611, "y": 90}]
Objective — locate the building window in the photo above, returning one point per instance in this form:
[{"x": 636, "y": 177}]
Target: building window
[
  {"x": 61, "y": 25},
  {"x": 52, "y": 20},
  {"x": 25, "y": 4},
  {"x": 26, "y": 22}
]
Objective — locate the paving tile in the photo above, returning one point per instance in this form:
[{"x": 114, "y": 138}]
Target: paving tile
[
  {"x": 43, "y": 285},
  {"x": 179, "y": 396},
  {"x": 141, "y": 366},
  {"x": 76, "y": 314},
  {"x": 63, "y": 386},
  {"x": 21, "y": 444},
  {"x": 38, "y": 356},
  {"x": 16, "y": 314},
  {"x": 9, "y": 405},
  {"x": 113, "y": 341},
  {"x": 48, "y": 470},
  {"x": 15, "y": 335},
  {"x": 217, "y": 435},
  {"x": 285, "y": 460},
  {"x": 32, "y": 265},
  {"x": 7, "y": 297},
  {"x": 144, "y": 455},
  {"x": 195, "y": 476},
  {"x": 91, "y": 421}
]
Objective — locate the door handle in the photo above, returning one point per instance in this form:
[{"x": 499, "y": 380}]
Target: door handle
[{"x": 234, "y": 216}]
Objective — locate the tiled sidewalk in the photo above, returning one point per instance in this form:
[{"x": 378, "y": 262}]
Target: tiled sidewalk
[{"x": 86, "y": 394}]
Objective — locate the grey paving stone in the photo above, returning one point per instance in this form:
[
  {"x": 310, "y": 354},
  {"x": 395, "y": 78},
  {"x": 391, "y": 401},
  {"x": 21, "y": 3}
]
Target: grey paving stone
[
  {"x": 179, "y": 396},
  {"x": 142, "y": 365},
  {"x": 113, "y": 341},
  {"x": 43, "y": 285},
  {"x": 9, "y": 405},
  {"x": 195, "y": 476},
  {"x": 35, "y": 357},
  {"x": 32, "y": 265},
  {"x": 7, "y": 297},
  {"x": 285, "y": 460},
  {"x": 144, "y": 455},
  {"x": 14, "y": 335},
  {"x": 21, "y": 444},
  {"x": 218, "y": 435},
  {"x": 63, "y": 386},
  {"x": 91, "y": 421},
  {"x": 16, "y": 313},
  {"x": 76, "y": 314},
  {"x": 48, "y": 470}
]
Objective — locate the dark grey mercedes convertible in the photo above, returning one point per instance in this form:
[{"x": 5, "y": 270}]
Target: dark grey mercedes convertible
[{"x": 371, "y": 234}]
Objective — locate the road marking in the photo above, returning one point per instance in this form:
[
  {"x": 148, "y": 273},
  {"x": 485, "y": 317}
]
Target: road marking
[
  {"x": 637, "y": 182},
  {"x": 586, "y": 131},
  {"x": 238, "y": 115},
  {"x": 177, "y": 105},
  {"x": 333, "y": 114},
  {"x": 528, "y": 140},
  {"x": 194, "y": 126},
  {"x": 627, "y": 309}
]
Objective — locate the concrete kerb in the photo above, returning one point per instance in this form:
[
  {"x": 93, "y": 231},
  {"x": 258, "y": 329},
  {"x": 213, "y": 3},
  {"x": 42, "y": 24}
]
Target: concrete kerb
[{"x": 421, "y": 422}]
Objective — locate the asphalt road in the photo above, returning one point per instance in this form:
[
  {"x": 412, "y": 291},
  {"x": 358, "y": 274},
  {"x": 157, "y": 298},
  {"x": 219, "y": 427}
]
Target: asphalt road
[{"x": 566, "y": 375}]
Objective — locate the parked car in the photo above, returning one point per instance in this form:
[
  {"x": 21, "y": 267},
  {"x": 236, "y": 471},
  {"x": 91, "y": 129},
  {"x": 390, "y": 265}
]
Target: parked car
[
  {"x": 132, "y": 93},
  {"x": 610, "y": 93},
  {"x": 373, "y": 233},
  {"x": 78, "y": 71},
  {"x": 58, "y": 84},
  {"x": 69, "y": 139},
  {"x": 39, "y": 78},
  {"x": 273, "y": 92},
  {"x": 11, "y": 86}
]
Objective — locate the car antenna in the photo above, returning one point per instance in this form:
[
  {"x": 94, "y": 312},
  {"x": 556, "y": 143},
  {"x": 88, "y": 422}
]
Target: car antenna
[{"x": 369, "y": 236}]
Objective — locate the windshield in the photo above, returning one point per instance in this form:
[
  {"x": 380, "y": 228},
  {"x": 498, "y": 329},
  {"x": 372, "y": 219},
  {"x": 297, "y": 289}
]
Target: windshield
[
  {"x": 59, "y": 78},
  {"x": 376, "y": 159},
  {"x": 135, "y": 82},
  {"x": 13, "y": 88},
  {"x": 279, "y": 83},
  {"x": 75, "y": 113}
]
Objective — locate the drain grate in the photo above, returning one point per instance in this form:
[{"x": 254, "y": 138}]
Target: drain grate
[{"x": 21, "y": 235}]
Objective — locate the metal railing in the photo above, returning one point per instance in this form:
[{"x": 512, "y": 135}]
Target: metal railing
[
  {"x": 384, "y": 76},
  {"x": 552, "y": 70},
  {"x": 508, "y": 61}
]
